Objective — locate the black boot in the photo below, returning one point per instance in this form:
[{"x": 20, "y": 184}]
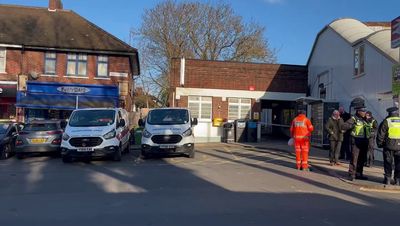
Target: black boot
[
  {"x": 387, "y": 181},
  {"x": 361, "y": 177}
]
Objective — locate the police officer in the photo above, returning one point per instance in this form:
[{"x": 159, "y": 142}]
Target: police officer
[
  {"x": 359, "y": 143},
  {"x": 372, "y": 127},
  {"x": 388, "y": 138}
]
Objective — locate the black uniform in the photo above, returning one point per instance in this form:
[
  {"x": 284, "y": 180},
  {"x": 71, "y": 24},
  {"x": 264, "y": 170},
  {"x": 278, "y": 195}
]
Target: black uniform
[{"x": 391, "y": 149}]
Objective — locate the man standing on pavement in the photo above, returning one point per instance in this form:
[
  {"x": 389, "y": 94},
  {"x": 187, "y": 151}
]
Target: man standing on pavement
[
  {"x": 359, "y": 143},
  {"x": 372, "y": 127},
  {"x": 333, "y": 126},
  {"x": 300, "y": 131},
  {"x": 345, "y": 152},
  {"x": 388, "y": 138}
]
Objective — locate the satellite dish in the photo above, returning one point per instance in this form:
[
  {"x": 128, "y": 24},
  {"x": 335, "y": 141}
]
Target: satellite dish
[{"x": 34, "y": 75}]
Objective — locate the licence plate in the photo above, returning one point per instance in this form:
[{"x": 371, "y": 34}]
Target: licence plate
[
  {"x": 38, "y": 141},
  {"x": 167, "y": 146},
  {"x": 85, "y": 149}
]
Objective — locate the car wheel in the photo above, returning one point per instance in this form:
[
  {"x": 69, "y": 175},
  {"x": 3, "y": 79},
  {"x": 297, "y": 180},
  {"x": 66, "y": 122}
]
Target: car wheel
[
  {"x": 20, "y": 155},
  {"x": 117, "y": 155},
  {"x": 66, "y": 159},
  {"x": 6, "y": 152}
]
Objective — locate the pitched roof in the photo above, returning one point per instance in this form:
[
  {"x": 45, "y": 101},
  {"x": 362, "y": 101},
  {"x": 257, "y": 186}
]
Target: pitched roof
[
  {"x": 354, "y": 31},
  {"x": 35, "y": 27}
]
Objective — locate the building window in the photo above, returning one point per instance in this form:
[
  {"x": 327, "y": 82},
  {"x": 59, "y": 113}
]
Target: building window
[
  {"x": 239, "y": 108},
  {"x": 50, "y": 61},
  {"x": 322, "y": 91},
  {"x": 102, "y": 66},
  {"x": 200, "y": 107},
  {"x": 2, "y": 60},
  {"x": 77, "y": 65},
  {"x": 359, "y": 60}
]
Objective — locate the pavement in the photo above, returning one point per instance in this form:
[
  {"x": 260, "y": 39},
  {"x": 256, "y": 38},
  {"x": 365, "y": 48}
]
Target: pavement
[{"x": 318, "y": 158}]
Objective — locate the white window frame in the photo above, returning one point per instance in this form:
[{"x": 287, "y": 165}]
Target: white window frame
[
  {"x": 77, "y": 62},
  {"x": 4, "y": 59},
  {"x": 47, "y": 59},
  {"x": 200, "y": 102},
  {"x": 359, "y": 60},
  {"x": 240, "y": 105},
  {"x": 105, "y": 62}
]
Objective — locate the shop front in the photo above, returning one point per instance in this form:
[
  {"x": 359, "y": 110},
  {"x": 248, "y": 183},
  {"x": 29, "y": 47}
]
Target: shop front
[
  {"x": 8, "y": 93},
  {"x": 44, "y": 100}
]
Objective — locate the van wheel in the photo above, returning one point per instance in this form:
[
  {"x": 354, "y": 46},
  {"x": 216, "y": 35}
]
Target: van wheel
[
  {"x": 117, "y": 155},
  {"x": 128, "y": 148},
  {"x": 66, "y": 159},
  {"x": 6, "y": 152},
  {"x": 20, "y": 155},
  {"x": 144, "y": 154},
  {"x": 191, "y": 154}
]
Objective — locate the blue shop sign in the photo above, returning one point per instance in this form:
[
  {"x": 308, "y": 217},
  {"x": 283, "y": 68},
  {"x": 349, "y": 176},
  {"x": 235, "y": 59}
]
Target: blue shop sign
[{"x": 67, "y": 96}]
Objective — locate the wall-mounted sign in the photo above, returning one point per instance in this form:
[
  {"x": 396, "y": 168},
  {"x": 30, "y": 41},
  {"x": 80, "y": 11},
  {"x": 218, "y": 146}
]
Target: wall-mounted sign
[
  {"x": 73, "y": 89},
  {"x": 395, "y": 32},
  {"x": 118, "y": 74}
]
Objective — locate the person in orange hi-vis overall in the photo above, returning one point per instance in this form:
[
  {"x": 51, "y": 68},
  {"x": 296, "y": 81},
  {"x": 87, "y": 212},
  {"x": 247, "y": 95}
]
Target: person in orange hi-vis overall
[{"x": 300, "y": 131}]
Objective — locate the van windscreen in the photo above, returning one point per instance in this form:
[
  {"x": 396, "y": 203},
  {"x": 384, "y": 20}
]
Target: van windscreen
[
  {"x": 168, "y": 117},
  {"x": 91, "y": 118}
]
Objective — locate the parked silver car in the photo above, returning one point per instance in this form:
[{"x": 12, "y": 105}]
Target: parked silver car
[{"x": 39, "y": 137}]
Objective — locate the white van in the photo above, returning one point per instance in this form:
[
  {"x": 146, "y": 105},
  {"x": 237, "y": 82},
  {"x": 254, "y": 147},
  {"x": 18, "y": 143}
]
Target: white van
[
  {"x": 168, "y": 131},
  {"x": 97, "y": 132}
]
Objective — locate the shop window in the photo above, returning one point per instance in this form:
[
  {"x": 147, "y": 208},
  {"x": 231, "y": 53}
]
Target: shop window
[
  {"x": 359, "y": 60},
  {"x": 77, "y": 65},
  {"x": 50, "y": 63},
  {"x": 102, "y": 66},
  {"x": 239, "y": 108},
  {"x": 200, "y": 107},
  {"x": 2, "y": 60}
]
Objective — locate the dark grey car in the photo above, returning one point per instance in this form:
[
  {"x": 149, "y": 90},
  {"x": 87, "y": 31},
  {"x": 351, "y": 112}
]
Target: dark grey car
[{"x": 39, "y": 137}]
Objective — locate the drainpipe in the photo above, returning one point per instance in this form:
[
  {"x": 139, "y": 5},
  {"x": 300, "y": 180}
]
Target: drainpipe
[{"x": 182, "y": 74}]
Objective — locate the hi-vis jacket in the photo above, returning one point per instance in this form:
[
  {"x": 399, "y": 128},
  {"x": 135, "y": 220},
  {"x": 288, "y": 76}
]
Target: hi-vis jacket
[
  {"x": 389, "y": 134},
  {"x": 301, "y": 127},
  {"x": 358, "y": 126}
]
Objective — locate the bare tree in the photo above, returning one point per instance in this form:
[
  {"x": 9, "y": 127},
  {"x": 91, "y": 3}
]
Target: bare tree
[{"x": 196, "y": 30}]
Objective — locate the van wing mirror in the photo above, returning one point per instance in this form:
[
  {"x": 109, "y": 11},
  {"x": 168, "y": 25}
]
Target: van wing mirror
[
  {"x": 122, "y": 123},
  {"x": 194, "y": 122},
  {"x": 141, "y": 122}
]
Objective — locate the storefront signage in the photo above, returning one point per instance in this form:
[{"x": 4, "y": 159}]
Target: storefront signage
[
  {"x": 118, "y": 74},
  {"x": 73, "y": 89},
  {"x": 396, "y": 32}
]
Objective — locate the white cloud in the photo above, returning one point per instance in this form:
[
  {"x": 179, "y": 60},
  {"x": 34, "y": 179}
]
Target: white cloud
[{"x": 273, "y": 1}]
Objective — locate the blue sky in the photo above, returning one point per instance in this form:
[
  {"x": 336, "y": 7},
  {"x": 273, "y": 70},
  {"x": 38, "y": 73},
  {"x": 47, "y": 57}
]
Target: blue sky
[{"x": 292, "y": 25}]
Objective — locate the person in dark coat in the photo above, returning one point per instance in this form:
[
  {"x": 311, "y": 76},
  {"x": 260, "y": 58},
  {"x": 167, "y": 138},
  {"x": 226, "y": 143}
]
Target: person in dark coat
[
  {"x": 345, "y": 152},
  {"x": 388, "y": 138},
  {"x": 372, "y": 126},
  {"x": 359, "y": 143},
  {"x": 333, "y": 127}
]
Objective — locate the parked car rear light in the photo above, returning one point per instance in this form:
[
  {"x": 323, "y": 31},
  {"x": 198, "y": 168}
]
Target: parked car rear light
[
  {"x": 18, "y": 142},
  {"x": 56, "y": 141},
  {"x": 54, "y": 132},
  {"x": 23, "y": 133}
]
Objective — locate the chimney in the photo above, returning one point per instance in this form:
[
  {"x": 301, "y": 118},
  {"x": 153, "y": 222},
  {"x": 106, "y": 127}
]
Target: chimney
[{"x": 55, "y": 5}]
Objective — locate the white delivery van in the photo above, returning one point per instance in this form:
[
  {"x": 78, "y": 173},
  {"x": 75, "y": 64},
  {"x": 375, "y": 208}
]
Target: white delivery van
[
  {"x": 97, "y": 132},
  {"x": 168, "y": 131}
]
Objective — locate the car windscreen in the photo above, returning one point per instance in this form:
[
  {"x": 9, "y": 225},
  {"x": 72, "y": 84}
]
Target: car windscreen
[
  {"x": 31, "y": 127},
  {"x": 4, "y": 127},
  {"x": 168, "y": 117},
  {"x": 91, "y": 118}
]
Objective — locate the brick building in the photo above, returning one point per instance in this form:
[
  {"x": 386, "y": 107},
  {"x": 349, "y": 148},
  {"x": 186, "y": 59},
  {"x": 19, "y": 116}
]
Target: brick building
[
  {"x": 53, "y": 61},
  {"x": 232, "y": 90}
]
